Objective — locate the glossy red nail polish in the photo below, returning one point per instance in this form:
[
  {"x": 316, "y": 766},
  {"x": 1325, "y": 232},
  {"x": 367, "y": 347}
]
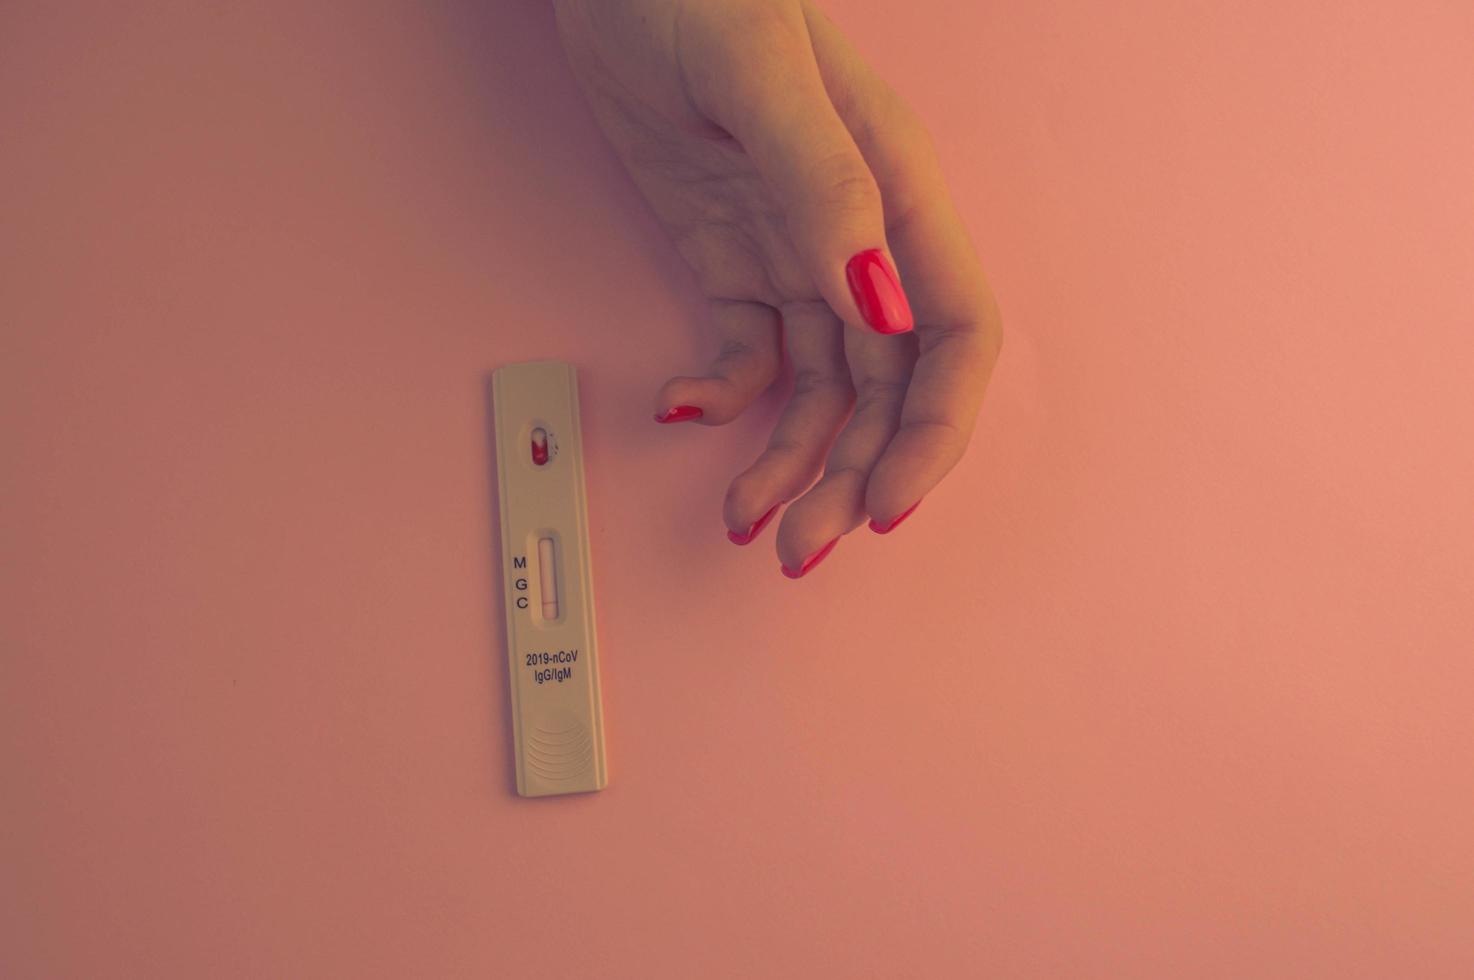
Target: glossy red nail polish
[
  {"x": 895, "y": 521},
  {"x": 680, "y": 413},
  {"x": 757, "y": 526},
  {"x": 810, "y": 561},
  {"x": 877, "y": 291}
]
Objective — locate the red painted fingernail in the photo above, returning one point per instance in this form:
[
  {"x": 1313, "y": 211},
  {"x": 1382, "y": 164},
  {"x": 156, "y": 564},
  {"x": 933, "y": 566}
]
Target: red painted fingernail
[
  {"x": 895, "y": 521},
  {"x": 681, "y": 413},
  {"x": 757, "y": 526},
  {"x": 811, "y": 561},
  {"x": 877, "y": 291}
]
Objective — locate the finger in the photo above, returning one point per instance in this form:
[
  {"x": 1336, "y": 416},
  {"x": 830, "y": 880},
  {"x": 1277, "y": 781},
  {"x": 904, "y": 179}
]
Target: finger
[
  {"x": 959, "y": 342},
  {"x": 937, "y": 420},
  {"x": 880, "y": 368},
  {"x": 749, "y": 361},
  {"x": 958, "y": 326},
  {"x": 821, "y": 401},
  {"x": 755, "y": 74}
]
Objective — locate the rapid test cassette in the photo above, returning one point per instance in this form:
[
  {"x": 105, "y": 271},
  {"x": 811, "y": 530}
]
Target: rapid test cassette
[{"x": 557, "y": 718}]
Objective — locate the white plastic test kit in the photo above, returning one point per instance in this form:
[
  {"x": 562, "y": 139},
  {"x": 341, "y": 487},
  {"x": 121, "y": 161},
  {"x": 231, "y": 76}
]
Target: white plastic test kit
[{"x": 557, "y": 719}]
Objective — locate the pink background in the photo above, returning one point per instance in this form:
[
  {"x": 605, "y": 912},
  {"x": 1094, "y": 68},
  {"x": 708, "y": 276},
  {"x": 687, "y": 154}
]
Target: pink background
[{"x": 1171, "y": 678}]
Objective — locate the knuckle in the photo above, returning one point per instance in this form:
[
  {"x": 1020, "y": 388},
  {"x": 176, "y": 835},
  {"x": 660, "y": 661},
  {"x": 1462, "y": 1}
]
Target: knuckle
[
  {"x": 779, "y": 448},
  {"x": 810, "y": 382},
  {"x": 733, "y": 349},
  {"x": 748, "y": 367},
  {"x": 946, "y": 438},
  {"x": 972, "y": 345},
  {"x": 848, "y": 186},
  {"x": 876, "y": 394},
  {"x": 847, "y": 473}
]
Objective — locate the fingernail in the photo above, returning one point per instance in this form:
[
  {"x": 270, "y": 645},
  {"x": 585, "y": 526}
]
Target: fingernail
[
  {"x": 877, "y": 291},
  {"x": 757, "y": 526},
  {"x": 681, "y": 413},
  {"x": 894, "y": 522},
  {"x": 810, "y": 561}
]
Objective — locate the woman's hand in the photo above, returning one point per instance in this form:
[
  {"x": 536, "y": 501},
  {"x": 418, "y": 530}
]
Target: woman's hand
[{"x": 796, "y": 184}]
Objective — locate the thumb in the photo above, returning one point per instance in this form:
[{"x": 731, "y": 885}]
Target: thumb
[{"x": 760, "y": 82}]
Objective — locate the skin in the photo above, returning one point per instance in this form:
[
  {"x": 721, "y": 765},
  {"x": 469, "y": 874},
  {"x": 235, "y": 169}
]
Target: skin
[{"x": 772, "y": 153}]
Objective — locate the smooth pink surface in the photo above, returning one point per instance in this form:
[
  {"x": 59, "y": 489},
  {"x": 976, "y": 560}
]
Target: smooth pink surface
[{"x": 1172, "y": 678}]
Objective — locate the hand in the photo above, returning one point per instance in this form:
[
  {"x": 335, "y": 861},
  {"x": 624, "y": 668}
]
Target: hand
[{"x": 796, "y": 185}]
